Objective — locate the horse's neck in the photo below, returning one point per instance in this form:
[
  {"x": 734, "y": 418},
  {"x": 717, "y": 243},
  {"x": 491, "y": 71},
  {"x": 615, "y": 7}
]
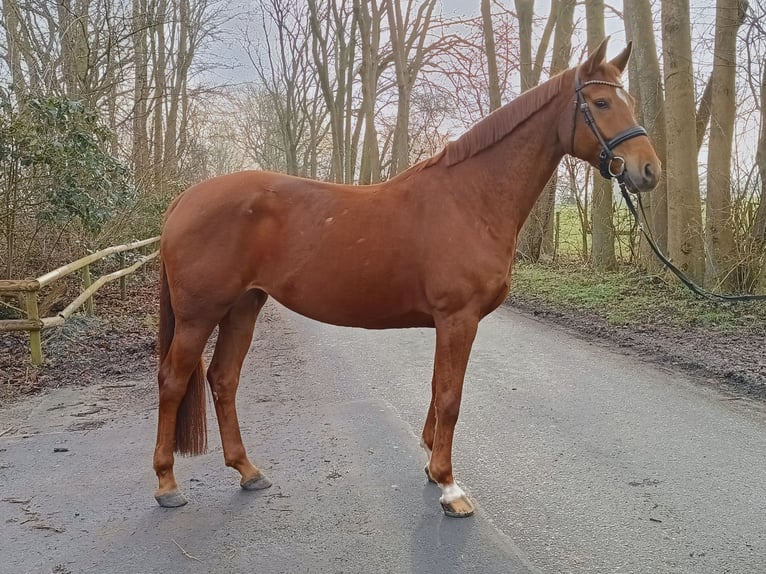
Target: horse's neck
[{"x": 505, "y": 180}]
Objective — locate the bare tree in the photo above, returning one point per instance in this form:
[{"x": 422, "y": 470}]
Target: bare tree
[
  {"x": 685, "y": 236},
  {"x": 459, "y": 68},
  {"x": 370, "y": 15},
  {"x": 333, "y": 37},
  {"x": 719, "y": 236},
  {"x": 646, "y": 87},
  {"x": 536, "y": 237},
  {"x": 14, "y": 42},
  {"x": 409, "y": 32},
  {"x": 602, "y": 236},
  {"x": 753, "y": 245},
  {"x": 489, "y": 45},
  {"x": 141, "y": 89}
]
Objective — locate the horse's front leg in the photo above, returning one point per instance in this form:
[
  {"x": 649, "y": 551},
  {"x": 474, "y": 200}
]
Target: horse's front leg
[{"x": 454, "y": 338}]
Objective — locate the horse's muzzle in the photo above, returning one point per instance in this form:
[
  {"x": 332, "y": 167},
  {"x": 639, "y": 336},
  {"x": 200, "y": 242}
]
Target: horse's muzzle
[{"x": 644, "y": 179}]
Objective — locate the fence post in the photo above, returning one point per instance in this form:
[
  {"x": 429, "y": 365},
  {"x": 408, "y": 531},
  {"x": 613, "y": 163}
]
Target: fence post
[
  {"x": 557, "y": 236},
  {"x": 35, "y": 341},
  {"x": 123, "y": 289},
  {"x": 86, "y": 283}
]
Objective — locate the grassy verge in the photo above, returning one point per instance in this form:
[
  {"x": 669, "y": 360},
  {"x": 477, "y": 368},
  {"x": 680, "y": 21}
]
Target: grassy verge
[{"x": 630, "y": 299}]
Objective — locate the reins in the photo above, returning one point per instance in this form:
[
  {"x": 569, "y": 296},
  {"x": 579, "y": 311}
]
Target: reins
[
  {"x": 710, "y": 295},
  {"x": 606, "y": 158}
]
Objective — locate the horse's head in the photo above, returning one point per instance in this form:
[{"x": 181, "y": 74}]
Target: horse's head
[{"x": 603, "y": 130}]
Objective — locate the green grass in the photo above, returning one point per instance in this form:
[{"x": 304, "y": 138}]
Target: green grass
[
  {"x": 570, "y": 240},
  {"x": 627, "y": 298}
]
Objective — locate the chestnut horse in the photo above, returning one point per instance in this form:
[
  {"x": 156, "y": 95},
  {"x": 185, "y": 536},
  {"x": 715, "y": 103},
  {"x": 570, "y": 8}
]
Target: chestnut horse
[{"x": 432, "y": 247}]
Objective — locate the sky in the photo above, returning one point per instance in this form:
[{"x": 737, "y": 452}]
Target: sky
[{"x": 238, "y": 60}]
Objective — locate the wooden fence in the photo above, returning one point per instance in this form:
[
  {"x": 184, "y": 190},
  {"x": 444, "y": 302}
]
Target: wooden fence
[{"x": 30, "y": 288}]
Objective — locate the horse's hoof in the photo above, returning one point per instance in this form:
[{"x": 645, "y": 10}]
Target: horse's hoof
[
  {"x": 428, "y": 474},
  {"x": 458, "y": 508},
  {"x": 258, "y": 482},
  {"x": 172, "y": 499}
]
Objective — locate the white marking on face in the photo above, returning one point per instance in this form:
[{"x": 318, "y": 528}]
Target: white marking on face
[
  {"x": 329, "y": 220},
  {"x": 450, "y": 492}
]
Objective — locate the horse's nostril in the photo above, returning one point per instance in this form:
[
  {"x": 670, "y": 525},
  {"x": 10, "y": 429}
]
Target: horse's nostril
[{"x": 649, "y": 174}]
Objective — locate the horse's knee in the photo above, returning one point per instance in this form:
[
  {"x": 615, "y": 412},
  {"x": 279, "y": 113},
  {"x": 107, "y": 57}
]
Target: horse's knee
[{"x": 447, "y": 408}]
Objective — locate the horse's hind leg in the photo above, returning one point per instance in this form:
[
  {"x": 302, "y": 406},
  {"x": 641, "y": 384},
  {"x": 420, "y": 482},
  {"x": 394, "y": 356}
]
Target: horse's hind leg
[
  {"x": 235, "y": 333},
  {"x": 175, "y": 376}
]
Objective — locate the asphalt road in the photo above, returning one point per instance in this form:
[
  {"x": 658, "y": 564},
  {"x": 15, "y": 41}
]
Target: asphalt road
[{"x": 581, "y": 460}]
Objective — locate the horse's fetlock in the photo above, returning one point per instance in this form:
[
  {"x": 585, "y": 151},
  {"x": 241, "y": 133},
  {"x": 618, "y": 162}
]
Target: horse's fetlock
[
  {"x": 234, "y": 459},
  {"x": 441, "y": 473}
]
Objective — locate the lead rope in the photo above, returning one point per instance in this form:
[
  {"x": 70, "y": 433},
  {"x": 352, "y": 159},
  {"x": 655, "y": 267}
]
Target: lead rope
[
  {"x": 709, "y": 295},
  {"x": 605, "y": 168}
]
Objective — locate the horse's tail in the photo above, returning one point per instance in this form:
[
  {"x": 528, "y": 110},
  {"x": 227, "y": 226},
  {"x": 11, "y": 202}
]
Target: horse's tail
[{"x": 191, "y": 425}]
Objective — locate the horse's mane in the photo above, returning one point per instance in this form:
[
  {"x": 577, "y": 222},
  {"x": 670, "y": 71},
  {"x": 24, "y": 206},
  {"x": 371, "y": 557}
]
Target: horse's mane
[{"x": 494, "y": 127}]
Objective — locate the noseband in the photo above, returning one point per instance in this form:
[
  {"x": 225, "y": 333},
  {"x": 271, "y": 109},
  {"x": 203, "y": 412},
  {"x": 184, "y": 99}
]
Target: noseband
[{"x": 607, "y": 157}]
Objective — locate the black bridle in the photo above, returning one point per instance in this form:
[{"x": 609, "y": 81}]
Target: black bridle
[{"x": 607, "y": 157}]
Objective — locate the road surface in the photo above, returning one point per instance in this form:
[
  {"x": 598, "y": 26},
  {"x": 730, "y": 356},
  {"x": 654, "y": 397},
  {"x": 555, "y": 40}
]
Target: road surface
[{"x": 581, "y": 460}]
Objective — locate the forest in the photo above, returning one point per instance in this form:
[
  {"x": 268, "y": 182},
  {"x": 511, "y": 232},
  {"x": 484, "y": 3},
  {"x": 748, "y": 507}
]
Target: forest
[{"x": 110, "y": 108}]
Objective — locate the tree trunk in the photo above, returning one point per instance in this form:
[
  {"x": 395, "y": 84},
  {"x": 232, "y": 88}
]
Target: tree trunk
[
  {"x": 489, "y": 46},
  {"x": 536, "y": 237},
  {"x": 719, "y": 237},
  {"x": 525, "y": 11},
  {"x": 333, "y": 36},
  {"x": 647, "y": 89},
  {"x": 685, "y": 236},
  {"x": 369, "y": 16},
  {"x": 320, "y": 50},
  {"x": 408, "y": 36},
  {"x": 757, "y": 233},
  {"x": 140, "y": 154},
  {"x": 12, "y": 16},
  {"x": 73, "y": 19},
  {"x": 602, "y": 230},
  {"x": 703, "y": 112},
  {"x": 704, "y": 108},
  {"x": 160, "y": 20}
]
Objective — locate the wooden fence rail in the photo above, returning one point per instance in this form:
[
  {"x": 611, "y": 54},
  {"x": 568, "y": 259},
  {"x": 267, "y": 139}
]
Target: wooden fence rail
[{"x": 30, "y": 288}]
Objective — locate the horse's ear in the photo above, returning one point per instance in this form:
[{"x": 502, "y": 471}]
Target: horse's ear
[
  {"x": 597, "y": 57},
  {"x": 621, "y": 60}
]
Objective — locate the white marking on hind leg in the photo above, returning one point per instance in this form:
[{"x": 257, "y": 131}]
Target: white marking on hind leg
[{"x": 450, "y": 492}]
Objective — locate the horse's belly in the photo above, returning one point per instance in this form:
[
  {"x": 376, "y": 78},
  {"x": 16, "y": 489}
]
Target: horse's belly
[{"x": 349, "y": 305}]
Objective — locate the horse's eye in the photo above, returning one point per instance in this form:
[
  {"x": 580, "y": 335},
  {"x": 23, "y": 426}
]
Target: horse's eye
[{"x": 602, "y": 104}]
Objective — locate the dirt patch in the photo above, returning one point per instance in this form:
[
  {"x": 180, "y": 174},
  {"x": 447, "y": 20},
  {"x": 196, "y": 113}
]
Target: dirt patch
[
  {"x": 115, "y": 345},
  {"x": 734, "y": 360}
]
